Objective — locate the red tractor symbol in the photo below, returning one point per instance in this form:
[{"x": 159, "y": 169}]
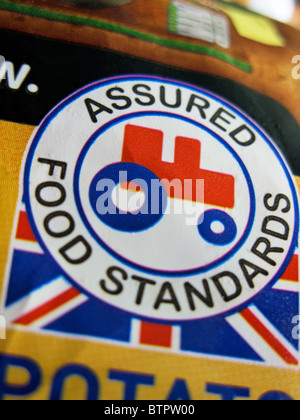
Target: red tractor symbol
[
  {"x": 142, "y": 163},
  {"x": 144, "y": 146}
]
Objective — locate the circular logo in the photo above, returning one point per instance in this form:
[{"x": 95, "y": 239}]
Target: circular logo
[{"x": 160, "y": 198}]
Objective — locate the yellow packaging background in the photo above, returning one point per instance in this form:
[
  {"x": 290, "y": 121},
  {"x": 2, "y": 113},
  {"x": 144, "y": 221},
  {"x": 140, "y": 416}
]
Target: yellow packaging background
[{"x": 54, "y": 353}]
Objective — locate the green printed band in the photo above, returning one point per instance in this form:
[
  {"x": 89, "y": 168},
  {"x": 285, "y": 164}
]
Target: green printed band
[{"x": 79, "y": 20}]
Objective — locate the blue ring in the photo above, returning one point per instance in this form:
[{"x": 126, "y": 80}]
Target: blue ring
[{"x": 218, "y": 239}]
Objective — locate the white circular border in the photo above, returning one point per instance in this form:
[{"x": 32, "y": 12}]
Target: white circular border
[{"x": 148, "y": 311}]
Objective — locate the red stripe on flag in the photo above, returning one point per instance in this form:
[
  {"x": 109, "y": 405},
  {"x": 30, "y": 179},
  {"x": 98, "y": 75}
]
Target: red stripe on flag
[
  {"x": 156, "y": 335},
  {"x": 269, "y": 337},
  {"x": 48, "y": 307},
  {"x": 24, "y": 231},
  {"x": 292, "y": 272}
]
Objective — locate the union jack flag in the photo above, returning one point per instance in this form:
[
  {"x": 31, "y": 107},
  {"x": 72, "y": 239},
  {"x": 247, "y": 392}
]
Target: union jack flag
[{"x": 39, "y": 298}]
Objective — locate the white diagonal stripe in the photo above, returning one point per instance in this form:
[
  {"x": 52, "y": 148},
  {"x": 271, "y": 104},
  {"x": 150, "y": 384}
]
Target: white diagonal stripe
[
  {"x": 59, "y": 312},
  {"x": 287, "y": 286},
  {"x": 27, "y": 246},
  {"x": 274, "y": 331},
  {"x": 254, "y": 340},
  {"x": 37, "y": 298}
]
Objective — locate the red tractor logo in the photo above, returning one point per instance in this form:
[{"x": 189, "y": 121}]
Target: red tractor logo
[
  {"x": 142, "y": 163},
  {"x": 144, "y": 146}
]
